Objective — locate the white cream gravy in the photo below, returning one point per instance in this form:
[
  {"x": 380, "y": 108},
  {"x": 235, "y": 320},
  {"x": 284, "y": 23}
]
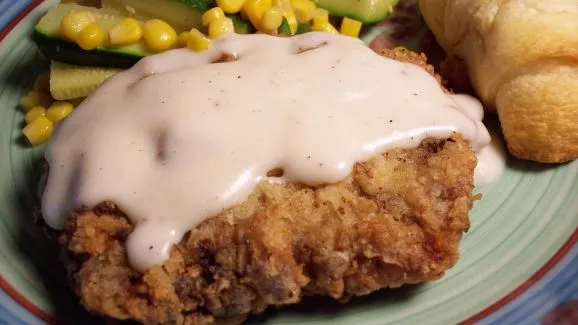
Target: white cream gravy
[
  {"x": 491, "y": 162},
  {"x": 491, "y": 158},
  {"x": 177, "y": 139}
]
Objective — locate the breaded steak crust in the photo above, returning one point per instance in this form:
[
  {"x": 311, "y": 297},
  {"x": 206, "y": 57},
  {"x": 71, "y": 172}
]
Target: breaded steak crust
[{"x": 396, "y": 219}]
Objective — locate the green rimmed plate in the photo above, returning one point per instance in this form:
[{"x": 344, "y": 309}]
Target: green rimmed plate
[{"x": 519, "y": 262}]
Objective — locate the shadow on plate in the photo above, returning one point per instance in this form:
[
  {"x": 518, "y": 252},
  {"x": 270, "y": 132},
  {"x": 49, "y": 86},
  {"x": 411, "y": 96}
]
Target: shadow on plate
[
  {"x": 493, "y": 124},
  {"x": 43, "y": 254},
  {"x": 328, "y": 308},
  {"x": 40, "y": 252},
  {"x": 531, "y": 167}
]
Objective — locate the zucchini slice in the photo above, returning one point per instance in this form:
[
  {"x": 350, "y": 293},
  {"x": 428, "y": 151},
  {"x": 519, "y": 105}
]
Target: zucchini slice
[
  {"x": 241, "y": 26},
  {"x": 366, "y": 11},
  {"x": 72, "y": 81},
  {"x": 181, "y": 14},
  {"x": 284, "y": 29},
  {"x": 53, "y": 46}
]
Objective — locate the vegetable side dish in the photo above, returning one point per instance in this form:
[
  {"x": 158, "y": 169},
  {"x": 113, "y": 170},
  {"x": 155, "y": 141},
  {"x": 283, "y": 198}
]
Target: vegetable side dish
[{"x": 88, "y": 41}]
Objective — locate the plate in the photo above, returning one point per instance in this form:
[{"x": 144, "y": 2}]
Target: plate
[{"x": 519, "y": 261}]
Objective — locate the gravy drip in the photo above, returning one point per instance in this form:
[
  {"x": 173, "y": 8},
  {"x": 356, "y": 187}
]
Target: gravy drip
[{"x": 178, "y": 138}]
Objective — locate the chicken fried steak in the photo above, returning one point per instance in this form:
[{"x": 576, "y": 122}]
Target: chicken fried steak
[{"x": 394, "y": 218}]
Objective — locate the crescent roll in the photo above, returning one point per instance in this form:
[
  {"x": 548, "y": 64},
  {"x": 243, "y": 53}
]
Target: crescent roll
[{"x": 522, "y": 58}]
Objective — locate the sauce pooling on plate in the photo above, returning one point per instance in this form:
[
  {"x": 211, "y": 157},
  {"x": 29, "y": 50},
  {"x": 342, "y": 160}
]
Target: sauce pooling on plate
[{"x": 178, "y": 138}]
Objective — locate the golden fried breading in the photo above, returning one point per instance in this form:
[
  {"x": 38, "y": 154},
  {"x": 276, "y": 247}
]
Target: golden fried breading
[{"x": 397, "y": 219}]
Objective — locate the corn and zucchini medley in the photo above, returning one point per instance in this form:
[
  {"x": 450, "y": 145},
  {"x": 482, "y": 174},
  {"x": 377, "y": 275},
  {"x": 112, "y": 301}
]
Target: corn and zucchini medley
[
  {"x": 266, "y": 16},
  {"x": 88, "y": 44}
]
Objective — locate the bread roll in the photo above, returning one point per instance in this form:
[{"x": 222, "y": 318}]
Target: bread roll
[{"x": 522, "y": 57}]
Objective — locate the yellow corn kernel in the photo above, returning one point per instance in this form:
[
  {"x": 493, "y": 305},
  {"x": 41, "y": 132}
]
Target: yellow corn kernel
[
  {"x": 231, "y": 6},
  {"x": 287, "y": 10},
  {"x": 221, "y": 26},
  {"x": 58, "y": 111},
  {"x": 320, "y": 16},
  {"x": 271, "y": 20},
  {"x": 350, "y": 27},
  {"x": 255, "y": 9},
  {"x": 38, "y": 131},
  {"x": 126, "y": 32},
  {"x": 324, "y": 27},
  {"x": 91, "y": 37},
  {"x": 36, "y": 98},
  {"x": 158, "y": 35},
  {"x": 211, "y": 15},
  {"x": 307, "y": 3},
  {"x": 284, "y": 5},
  {"x": 198, "y": 41},
  {"x": 34, "y": 113},
  {"x": 291, "y": 20},
  {"x": 303, "y": 10},
  {"x": 74, "y": 22},
  {"x": 183, "y": 39}
]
